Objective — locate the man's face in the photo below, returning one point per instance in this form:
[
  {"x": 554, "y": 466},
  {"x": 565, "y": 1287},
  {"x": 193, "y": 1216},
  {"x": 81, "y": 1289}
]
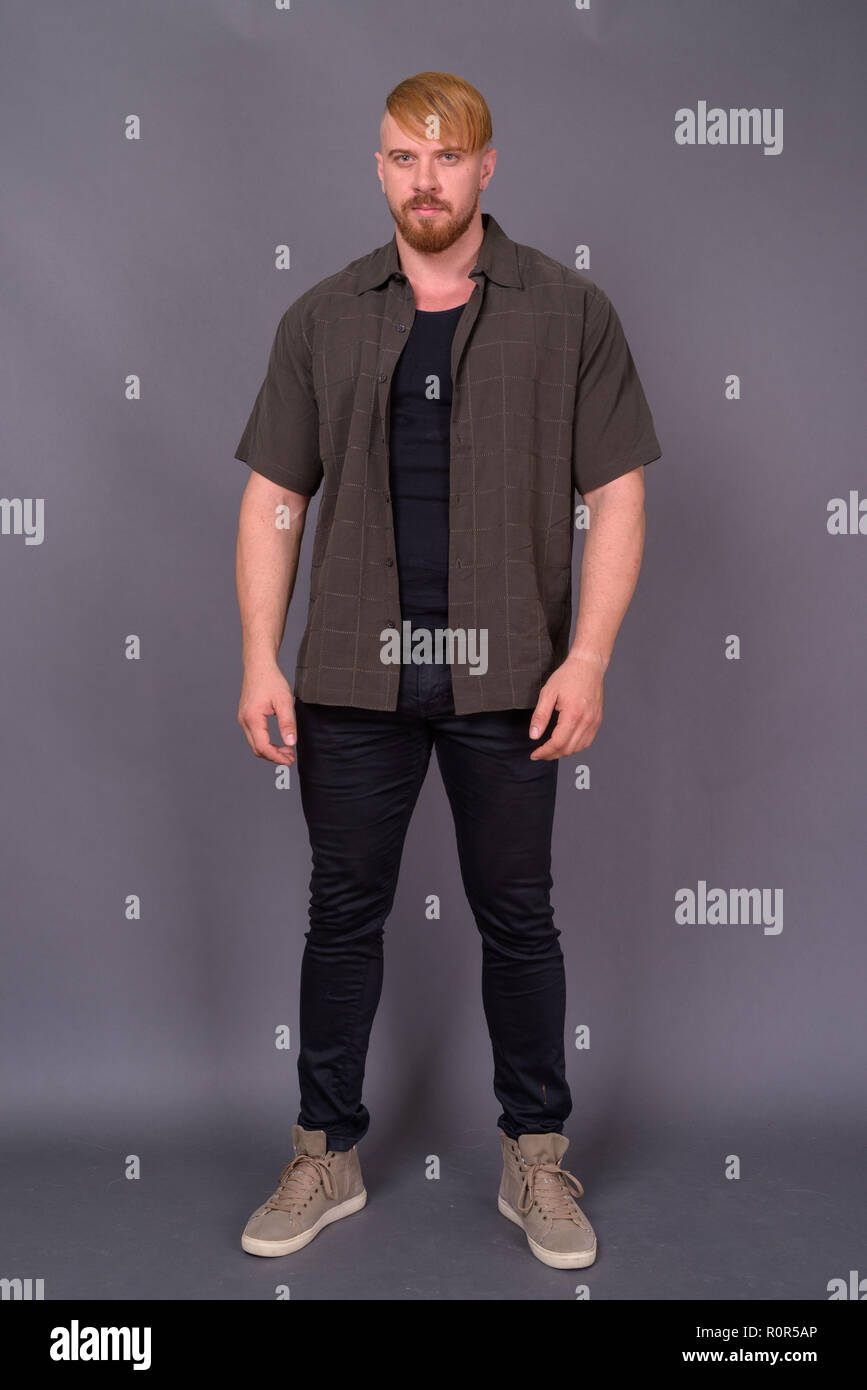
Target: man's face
[{"x": 432, "y": 188}]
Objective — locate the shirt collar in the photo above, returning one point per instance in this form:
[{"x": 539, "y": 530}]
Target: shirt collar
[{"x": 497, "y": 259}]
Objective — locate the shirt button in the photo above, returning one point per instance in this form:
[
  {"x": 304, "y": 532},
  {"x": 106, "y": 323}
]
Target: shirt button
[
  {"x": 388, "y": 497},
  {"x": 389, "y": 561},
  {"x": 457, "y": 498},
  {"x": 382, "y": 378},
  {"x": 401, "y": 328}
]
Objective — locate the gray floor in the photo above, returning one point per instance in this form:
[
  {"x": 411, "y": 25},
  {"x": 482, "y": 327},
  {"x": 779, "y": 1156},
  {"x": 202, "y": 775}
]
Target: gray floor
[{"x": 669, "y": 1225}]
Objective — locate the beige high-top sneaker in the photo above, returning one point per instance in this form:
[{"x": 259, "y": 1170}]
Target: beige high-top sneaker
[
  {"x": 535, "y": 1194},
  {"x": 315, "y": 1188}
]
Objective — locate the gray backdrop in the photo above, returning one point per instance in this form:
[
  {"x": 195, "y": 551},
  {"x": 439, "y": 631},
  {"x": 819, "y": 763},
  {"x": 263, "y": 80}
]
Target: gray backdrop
[{"x": 155, "y": 1037}]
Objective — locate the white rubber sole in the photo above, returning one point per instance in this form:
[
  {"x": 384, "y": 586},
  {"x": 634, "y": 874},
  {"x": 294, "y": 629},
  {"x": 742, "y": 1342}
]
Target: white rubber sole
[
  {"x": 253, "y": 1246},
  {"x": 555, "y": 1258}
]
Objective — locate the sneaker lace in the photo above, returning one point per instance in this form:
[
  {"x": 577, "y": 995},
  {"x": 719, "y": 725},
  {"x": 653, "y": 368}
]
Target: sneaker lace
[
  {"x": 299, "y": 1180},
  {"x": 551, "y": 1192}
]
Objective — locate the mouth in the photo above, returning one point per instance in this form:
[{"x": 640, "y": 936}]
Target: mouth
[{"x": 427, "y": 211}]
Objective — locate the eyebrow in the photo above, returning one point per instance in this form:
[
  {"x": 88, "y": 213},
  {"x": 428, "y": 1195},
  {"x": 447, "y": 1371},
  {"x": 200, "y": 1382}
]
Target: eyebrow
[{"x": 447, "y": 149}]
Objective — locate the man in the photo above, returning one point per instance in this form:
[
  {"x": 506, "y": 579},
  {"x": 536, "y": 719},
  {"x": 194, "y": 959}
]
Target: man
[{"x": 450, "y": 392}]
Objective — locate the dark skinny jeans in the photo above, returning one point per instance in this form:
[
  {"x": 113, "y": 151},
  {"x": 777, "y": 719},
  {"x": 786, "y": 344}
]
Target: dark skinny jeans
[{"x": 360, "y": 772}]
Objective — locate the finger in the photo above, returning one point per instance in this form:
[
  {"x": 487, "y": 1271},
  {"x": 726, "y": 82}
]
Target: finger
[
  {"x": 583, "y": 733},
  {"x": 559, "y": 744},
  {"x": 257, "y": 723},
  {"x": 242, "y": 720},
  {"x": 541, "y": 716},
  {"x": 284, "y": 708},
  {"x": 587, "y": 735}
]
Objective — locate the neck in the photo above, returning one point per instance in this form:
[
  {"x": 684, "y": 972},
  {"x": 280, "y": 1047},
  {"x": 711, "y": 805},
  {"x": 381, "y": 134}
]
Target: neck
[{"x": 439, "y": 271}]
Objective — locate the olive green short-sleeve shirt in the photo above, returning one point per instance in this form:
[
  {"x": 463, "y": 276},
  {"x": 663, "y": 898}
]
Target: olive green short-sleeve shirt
[{"x": 546, "y": 402}]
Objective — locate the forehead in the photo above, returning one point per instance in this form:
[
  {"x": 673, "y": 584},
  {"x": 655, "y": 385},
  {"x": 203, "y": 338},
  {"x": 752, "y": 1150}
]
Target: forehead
[{"x": 394, "y": 137}]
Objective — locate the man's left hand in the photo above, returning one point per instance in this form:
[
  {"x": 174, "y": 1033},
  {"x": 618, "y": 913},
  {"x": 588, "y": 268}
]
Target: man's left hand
[{"x": 574, "y": 690}]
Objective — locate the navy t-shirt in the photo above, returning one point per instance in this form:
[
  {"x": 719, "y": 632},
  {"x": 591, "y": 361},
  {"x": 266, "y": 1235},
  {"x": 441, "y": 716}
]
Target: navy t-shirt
[{"x": 420, "y": 456}]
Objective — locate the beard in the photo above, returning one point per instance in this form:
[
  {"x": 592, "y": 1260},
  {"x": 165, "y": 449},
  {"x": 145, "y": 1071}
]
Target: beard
[{"x": 432, "y": 233}]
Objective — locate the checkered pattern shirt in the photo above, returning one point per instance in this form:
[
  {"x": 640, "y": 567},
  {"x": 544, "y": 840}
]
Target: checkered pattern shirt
[{"x": 546, "y": 402}]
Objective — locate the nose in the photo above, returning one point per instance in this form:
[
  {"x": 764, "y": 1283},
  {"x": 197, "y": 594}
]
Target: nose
[{"x": 426, "y": 180}]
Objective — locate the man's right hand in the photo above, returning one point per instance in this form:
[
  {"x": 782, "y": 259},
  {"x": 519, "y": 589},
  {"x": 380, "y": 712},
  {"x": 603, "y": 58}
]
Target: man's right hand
[{"x": 266, "y": 691}]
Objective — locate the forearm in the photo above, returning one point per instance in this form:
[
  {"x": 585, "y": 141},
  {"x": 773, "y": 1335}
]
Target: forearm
[
  {"x": 610, "y": 565},
  {"x": 266, "y": 567}
]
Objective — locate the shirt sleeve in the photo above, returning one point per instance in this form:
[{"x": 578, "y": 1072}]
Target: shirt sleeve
[
  {"x": 281, "y": 437},
  {"x": 614, "y": 430}
]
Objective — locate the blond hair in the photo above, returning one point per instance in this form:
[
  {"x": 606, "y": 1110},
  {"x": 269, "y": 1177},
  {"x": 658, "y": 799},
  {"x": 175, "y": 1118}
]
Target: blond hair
[{"x": 462, "y": 112}]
